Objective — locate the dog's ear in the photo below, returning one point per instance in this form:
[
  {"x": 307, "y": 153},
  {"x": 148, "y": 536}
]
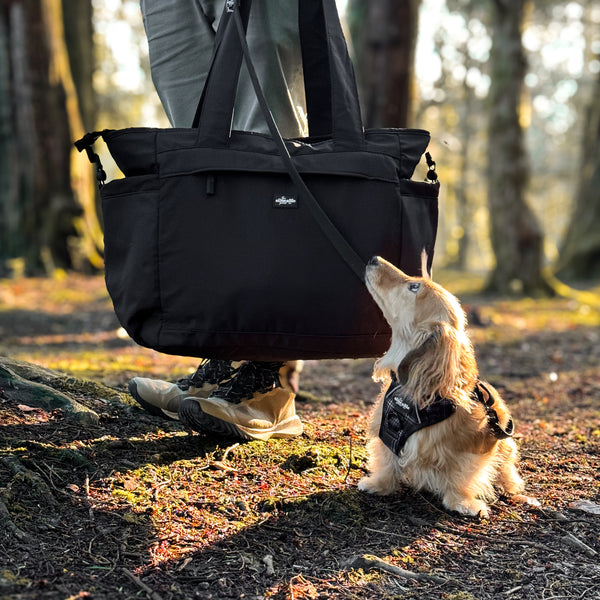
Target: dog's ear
[
  {"x": 407, "y": 362},
  {"x": 442, "y": 363}
]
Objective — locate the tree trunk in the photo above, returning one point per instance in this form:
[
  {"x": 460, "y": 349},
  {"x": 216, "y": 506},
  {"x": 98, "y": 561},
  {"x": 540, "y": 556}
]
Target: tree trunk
[
  {"x": 42, "y": 218},
  {"x": 8, "y": 223},
  {"x": 516, "y": 237},
  {"x": 580, "y": 251},
  {"x": 79, "y": 35},
  {"x": 384, "y": 34},
  {"x": 466, "y": 133}
]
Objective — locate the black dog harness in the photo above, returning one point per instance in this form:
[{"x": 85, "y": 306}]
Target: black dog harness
[{"x": 401, "y": 416}]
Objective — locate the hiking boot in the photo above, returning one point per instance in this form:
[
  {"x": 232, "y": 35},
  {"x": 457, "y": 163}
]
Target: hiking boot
[
  {"x": 289, "y": 375},
  {"x": 251, "y": 405},
  {"x": 162, "y": 399}
]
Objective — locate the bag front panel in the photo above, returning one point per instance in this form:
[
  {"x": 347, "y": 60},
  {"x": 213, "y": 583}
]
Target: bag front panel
[{"x": 257, "y": 263}]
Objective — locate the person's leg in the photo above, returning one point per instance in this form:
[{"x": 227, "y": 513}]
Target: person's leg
[
  {"x": 180, "y": 37},
  {"x": 274, "y": 43},
  {"x": 180, "y": 43}
]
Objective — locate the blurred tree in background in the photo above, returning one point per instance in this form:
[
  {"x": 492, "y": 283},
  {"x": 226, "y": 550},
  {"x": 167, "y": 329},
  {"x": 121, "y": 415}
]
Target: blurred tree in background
[
  {"x": 561, "y": 42},
  {"x": 580, "y": 253},
  {"x": 384, "y": 37},
  {"x": 79, "y": 39},
  {"x": 516, "y": 237},
  {"x": 48, "y": 214}
]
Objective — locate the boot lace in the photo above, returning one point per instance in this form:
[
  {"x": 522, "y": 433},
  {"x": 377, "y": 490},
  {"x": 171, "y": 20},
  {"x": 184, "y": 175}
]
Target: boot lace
[
  {"x": 248, "y": 379},
  {"x": 210, "y": 371}
]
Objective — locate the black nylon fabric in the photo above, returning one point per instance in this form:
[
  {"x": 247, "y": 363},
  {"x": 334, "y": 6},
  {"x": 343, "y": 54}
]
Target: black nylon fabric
[{"x": 210, "y": 251}]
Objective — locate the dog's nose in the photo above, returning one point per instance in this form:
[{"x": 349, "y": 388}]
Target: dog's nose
[{"x": 374, "y": 261}]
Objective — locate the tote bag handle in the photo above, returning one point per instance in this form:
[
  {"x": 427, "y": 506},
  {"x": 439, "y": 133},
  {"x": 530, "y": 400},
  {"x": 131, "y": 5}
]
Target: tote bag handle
[
  {"x": 330, "y": 86},
  {"x": 339, "y": 242}
]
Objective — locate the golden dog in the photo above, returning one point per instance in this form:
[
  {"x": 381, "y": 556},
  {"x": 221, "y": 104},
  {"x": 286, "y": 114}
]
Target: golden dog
[{"x": 437, "y": 428}]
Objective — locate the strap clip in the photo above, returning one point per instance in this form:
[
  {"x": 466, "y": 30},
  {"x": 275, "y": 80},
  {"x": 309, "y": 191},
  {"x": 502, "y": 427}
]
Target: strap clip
[
  {"x": 431, "y": 176},
  {"x": 85, "y": 143}
]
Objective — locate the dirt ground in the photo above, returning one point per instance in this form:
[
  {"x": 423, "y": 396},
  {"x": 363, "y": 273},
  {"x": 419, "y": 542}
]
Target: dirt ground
[{"x": 127, "y": 506}]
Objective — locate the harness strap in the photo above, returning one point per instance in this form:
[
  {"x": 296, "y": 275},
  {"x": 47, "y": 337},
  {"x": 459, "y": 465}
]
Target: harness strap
[{"x": 482, "y": 393}]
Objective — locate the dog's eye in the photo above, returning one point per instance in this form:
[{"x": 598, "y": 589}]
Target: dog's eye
[{"x": 414, "y": 287}]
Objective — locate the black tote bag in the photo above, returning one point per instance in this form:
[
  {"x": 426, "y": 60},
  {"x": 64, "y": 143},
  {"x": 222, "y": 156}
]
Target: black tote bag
[{"x": 239, "y": 245}]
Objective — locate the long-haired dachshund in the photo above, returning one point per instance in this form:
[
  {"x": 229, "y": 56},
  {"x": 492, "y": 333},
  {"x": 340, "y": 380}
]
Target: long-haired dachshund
[{"x": 436, "y": 426}]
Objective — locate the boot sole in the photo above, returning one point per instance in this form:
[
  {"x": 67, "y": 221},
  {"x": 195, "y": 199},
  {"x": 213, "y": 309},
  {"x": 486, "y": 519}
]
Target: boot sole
[
  {"x": 192, "y": 415},
  {"x": 150, "y": 408}
]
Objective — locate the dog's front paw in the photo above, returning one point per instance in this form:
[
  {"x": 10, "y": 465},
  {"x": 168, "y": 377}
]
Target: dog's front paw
[
  {"x": 522, "y": 499},
  {"x": 373, "y": 485},
  {"x": 470, "y": 507}
]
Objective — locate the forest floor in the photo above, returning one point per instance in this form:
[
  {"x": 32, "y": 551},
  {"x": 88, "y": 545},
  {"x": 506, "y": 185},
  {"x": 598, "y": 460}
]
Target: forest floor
[{"x": 130, "y": 506}]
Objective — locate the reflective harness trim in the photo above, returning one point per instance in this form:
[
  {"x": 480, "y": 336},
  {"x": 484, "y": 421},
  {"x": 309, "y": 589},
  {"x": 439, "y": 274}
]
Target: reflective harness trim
[{"x": 401, "y": 417}]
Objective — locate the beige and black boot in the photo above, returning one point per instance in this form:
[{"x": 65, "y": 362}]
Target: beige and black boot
[
  {"x": 252, "y": 404},
  {"x": 162, "y": 399}
]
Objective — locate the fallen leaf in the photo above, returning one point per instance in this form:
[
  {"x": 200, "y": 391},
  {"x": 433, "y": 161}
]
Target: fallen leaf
[{"x": 130, "y": 484}]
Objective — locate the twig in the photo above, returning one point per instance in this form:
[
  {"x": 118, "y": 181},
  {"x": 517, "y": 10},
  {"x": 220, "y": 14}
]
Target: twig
[
  {"x": 367, "y": 563},
  {"x": 576, "y": 543},
  {"x": 153, "y": 595},
  {"x": 268, "y": 560},
  {"x": 349, "y": 459},
  {"x": 228, "y": 450},
  {"x": 475, "y": 535},
  {"x": 219, "y": 465},
  {"x": 513, "y": 590},
  {"x": 384, "y": 532}
]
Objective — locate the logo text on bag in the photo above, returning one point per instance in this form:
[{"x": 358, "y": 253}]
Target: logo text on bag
[{"x": 285, "y": 202}]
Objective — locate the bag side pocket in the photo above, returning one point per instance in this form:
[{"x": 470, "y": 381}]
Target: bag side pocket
[
  {"x": 130, "y": 211},
  {"x": 419, "y": 222}
]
